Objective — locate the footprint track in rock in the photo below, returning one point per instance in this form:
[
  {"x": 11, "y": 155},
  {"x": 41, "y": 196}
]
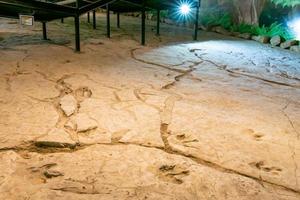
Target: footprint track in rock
[
  {"x": 173, "y": 173},
  {"x": 261, "y": 165},
  {"x": 256, "y": 136},
  {"x": 82, "y": 93},
  {"x": 184, "y": 138}
]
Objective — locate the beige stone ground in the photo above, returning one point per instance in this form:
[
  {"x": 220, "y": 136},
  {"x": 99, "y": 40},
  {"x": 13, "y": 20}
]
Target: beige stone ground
[{"x": 216, "y": 119}]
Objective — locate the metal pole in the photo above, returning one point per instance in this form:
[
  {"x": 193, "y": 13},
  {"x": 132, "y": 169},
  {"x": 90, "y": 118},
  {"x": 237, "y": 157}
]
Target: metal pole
[
  {"x": 62, "y": 20},
  {"x": 77, "y": 28},
  {"x": 94, "y": 19},
  {"x": 118, "y": 20},
  {"x": 197, "y": 21},
  {"x": 158, "y": 23},
  {"x": 77, "y": 33},
  {"x": 108, "y": 20},
  {"x": 44, "y": 31},
  {"x": 88, "y": 17},
  {"x": 143, "y": 24}
]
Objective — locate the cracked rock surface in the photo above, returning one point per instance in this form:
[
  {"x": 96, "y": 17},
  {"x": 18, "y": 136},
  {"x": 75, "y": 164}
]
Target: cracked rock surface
[
  {"x": 68, "y": 104},
  {"x": 216, "y": 119}
]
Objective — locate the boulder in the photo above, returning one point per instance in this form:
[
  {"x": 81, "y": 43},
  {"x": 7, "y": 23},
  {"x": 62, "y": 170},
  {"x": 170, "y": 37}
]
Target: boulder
[
  {"x": 275, "y": 40},
  {"x": 288, "y": 44},
  {"x": 261, "y": 38},
  {"x": 235, "y": 34},
  {"x": 295, "y": 48},
  {"x": 221, "y": 30},
  {"x": 246, "y": 36}
]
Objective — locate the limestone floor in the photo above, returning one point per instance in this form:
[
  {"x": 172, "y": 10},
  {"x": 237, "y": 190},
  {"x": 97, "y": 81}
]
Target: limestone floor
[{"x": 213, "y": 119}]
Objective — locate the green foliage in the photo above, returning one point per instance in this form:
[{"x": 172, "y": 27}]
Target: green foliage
[
  {"x": 244, "y": 28},
  {"x": 290, "y": 3},
  {"x": 214, "y": 17},
  {"x": 276, "y": 29},
  {"x": 273, "y": 30}
]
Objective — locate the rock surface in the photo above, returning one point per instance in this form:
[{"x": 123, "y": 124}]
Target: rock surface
[
  {"x": 215, "y": 119},
  {"x": 221, "y": 30},
  {"x": 261, "y": 39},
  {"x": 275, "y": 40},
  {"x": 56, "y": 138},
  {"x": 288, "y": 44},
  {"x": 68, "y": 104},
  {"x": 82, "y": 123},
  {"x": 295, "y": 48},
  {"x": 246, "y": 36}
]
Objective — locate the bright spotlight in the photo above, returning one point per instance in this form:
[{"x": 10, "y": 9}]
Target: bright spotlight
[
  {"x": 294, "y": 25},
  {"x": 185, "y": 9}
]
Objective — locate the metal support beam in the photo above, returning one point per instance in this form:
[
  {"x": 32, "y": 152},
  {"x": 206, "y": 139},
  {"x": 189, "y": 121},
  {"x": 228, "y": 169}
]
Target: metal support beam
[
  {"x": 94, "y": 19},
  {"x": 95, "y": 4},
  {"x": 118, "y": 20},
  {"x": 77, "y": 34},
  {"x": 77, "y": 28},
  {"x": 158, "y": 23},
  {"x": 88, "y": 17},
  {"x": 197, "y": 21},
  {"x": 108, "y": 20},
  {"x": 143, "y": 36},
  {"x": 40, "y": 6},
  {"x": 62, "y": 20},
  {"x": 44, "y": 31}
]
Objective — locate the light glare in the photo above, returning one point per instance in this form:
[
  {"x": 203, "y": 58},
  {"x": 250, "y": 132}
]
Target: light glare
[
  {"x": 294, "y": 25},
  {"x": 185, "y": 9}
]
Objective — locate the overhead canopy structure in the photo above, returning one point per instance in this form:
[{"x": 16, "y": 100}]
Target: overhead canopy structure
[{"x": 48, "y": 10}]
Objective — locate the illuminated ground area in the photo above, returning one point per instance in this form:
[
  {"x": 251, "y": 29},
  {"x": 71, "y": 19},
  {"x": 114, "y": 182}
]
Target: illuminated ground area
[{"x": 216, "y": 119}]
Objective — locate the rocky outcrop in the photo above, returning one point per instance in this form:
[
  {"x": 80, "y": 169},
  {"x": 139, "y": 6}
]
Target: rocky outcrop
[
  {"x": 295, "y": 48},
  {"x": 246, "y": 36},
  {"x": 288, "y": 44},
  {"x": 275, "y": 40},
  {"x": 261, "y": 39}
]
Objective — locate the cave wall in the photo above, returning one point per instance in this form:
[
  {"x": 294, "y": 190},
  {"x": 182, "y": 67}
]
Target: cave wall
[{"x": 243, "y": 11}]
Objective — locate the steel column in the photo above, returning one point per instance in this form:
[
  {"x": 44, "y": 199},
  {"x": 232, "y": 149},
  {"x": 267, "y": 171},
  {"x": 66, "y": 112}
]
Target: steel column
[
  {"x": 118, "y": 20},
  {"x": 94, "y": 19},
  {"x": 62, "y": 20},
  {"x": 158, "y": 23},
  {"x": 77, "y": 33},
  {"x": 44, "y": 31},
  {"x": 108, "y": 20},
  {"x": 143, "y": 36},
  {"x": 88, "y": 17},
  {"x": 77, "y": 28},
  {"x": 197, "y": 21}
]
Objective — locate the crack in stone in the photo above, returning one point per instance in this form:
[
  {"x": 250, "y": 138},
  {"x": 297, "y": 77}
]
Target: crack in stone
[
  {"x": 31, "y": 147},
  {"x": 137, "y": 94},
  {"x": 292, "y": 148},
  {"x": 224, "y": 67},
  {"x": 289, "y": 119},
  {"x": 133, "y": 56},
  {"x": 165, "y": 125},
  {"x": 166, "y": 116},
  {"x": 182, "y": 75},
  {"x": 10, "y": 76}
]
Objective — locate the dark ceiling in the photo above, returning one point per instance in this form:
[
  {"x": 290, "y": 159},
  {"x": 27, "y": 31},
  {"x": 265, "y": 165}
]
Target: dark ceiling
[{"x": 47, "y": 10}]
